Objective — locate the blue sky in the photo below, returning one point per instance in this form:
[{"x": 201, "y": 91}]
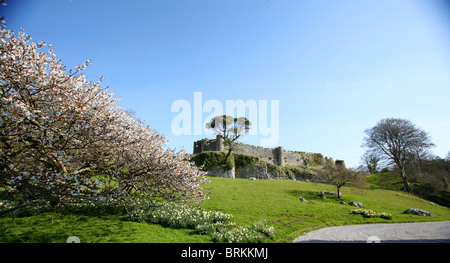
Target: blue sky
[{"x": 335, "y": 66}]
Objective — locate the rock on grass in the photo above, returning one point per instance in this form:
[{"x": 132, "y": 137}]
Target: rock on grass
[{"x": 417, "y": 211}]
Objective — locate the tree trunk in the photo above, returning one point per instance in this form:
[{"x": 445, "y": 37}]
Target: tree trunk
[
  {"x": 228, "y": 155},
  {"x": 406, "y": 186}
]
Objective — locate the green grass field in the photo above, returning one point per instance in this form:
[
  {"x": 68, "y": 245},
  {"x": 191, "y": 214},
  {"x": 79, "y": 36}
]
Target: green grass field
[
  {"x": 277, "y": 201},
  {"x": 388, "y": 180}
]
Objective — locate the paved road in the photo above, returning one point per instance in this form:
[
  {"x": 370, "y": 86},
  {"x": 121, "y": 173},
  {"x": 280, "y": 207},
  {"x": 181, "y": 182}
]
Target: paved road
[{"x": 429, "y": 232}]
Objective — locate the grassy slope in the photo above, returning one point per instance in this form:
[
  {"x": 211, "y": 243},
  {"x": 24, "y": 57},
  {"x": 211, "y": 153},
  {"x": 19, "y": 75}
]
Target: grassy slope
[
  {"x": 56, "y": 228},
  {"x": 388, "y": 180},
  {"x": 278, "y": 202},
  {"x": 248, "y": 201}
]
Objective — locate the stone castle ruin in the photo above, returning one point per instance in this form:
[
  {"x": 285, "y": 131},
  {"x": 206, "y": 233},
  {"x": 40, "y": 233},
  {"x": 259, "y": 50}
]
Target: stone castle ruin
[{"x": 276, "y": 156}]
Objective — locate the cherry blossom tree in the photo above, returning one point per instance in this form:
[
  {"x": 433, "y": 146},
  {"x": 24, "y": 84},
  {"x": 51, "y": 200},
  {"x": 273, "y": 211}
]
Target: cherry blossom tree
[{"x": 65, "y": 139}]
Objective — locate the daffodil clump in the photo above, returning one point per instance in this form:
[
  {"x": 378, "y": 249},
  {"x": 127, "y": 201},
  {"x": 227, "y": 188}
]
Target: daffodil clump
[
  {"x": 179, "y": 215},
  {"x": 372, "y": 214},
  {"x": 214, "y": 223},
  {"x": 231, "y": 233}
]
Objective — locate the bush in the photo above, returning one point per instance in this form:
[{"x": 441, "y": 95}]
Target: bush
[
  {"x": 242, "y": 160},
  {"x": 210, "y": 159},
  {"x": 317, "y": 159},
  {"x": 301, "y": 172},
  {"x": 339, "y": 163}
]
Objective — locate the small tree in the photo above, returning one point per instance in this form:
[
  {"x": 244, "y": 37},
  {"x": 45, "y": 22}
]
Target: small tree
[
  {"x": 399, "y": 142},
  {"x": 231, "y": 129},
  {"x": 339, "y": 175}
]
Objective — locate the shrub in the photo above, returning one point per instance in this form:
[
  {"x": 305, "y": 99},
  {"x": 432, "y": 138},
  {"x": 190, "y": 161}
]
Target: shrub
[
  {"x": 242, "y": 160},
  {"x": 299, "y": 172},
  {"x": 209, "y": 159},
  {"x": 317, "y": 159},
  {"x": 339, "y": 163}
]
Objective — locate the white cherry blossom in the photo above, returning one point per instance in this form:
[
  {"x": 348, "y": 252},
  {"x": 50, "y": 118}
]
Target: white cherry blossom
[{"x": 64, "y": 138}]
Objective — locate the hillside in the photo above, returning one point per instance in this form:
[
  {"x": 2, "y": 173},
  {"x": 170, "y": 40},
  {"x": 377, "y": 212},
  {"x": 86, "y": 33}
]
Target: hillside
[
  {"x": 435, "y": 192},
  {"x": 386, "y": 180},
  {"x": 248, "y": 201},
  {"x": 278, "y": 202}
]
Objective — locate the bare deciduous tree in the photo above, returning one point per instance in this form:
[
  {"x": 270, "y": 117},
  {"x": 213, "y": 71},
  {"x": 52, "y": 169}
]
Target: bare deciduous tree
[
  {"x": 397, "y": 141},
  {"x": 371, "y": 162}
]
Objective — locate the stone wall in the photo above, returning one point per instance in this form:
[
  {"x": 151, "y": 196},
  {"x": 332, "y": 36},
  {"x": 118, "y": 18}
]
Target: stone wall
[
  {"x": 270, "y": 155},
  {"x": 219, "y": 172},
  {"x": 204, "y": 145},
  {"x": 249, "y": 171},
  {"x": 262, "y": 171},
  {"x": 276, "y": 156}
]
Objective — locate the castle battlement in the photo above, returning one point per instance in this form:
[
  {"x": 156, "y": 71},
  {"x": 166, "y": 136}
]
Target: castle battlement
[{"x": 276, "y": 156}]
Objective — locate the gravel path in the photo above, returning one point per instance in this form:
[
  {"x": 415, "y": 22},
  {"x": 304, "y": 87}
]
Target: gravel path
[{"x": 429, "y": 232}]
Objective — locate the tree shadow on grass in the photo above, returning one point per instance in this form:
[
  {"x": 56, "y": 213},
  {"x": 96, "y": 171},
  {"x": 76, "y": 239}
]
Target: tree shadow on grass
[{"x": 33, "y": 237}]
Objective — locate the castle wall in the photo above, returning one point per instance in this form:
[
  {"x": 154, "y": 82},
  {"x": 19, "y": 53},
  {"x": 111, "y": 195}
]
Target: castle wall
[
  {"x": 276, "y": 156},
  {"x": 204, "y": 145},
  {"x": 266, "y": 154}
]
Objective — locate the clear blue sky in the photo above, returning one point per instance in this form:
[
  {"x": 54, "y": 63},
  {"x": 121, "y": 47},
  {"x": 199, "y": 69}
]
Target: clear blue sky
[{"x": 336, "y": 66}]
